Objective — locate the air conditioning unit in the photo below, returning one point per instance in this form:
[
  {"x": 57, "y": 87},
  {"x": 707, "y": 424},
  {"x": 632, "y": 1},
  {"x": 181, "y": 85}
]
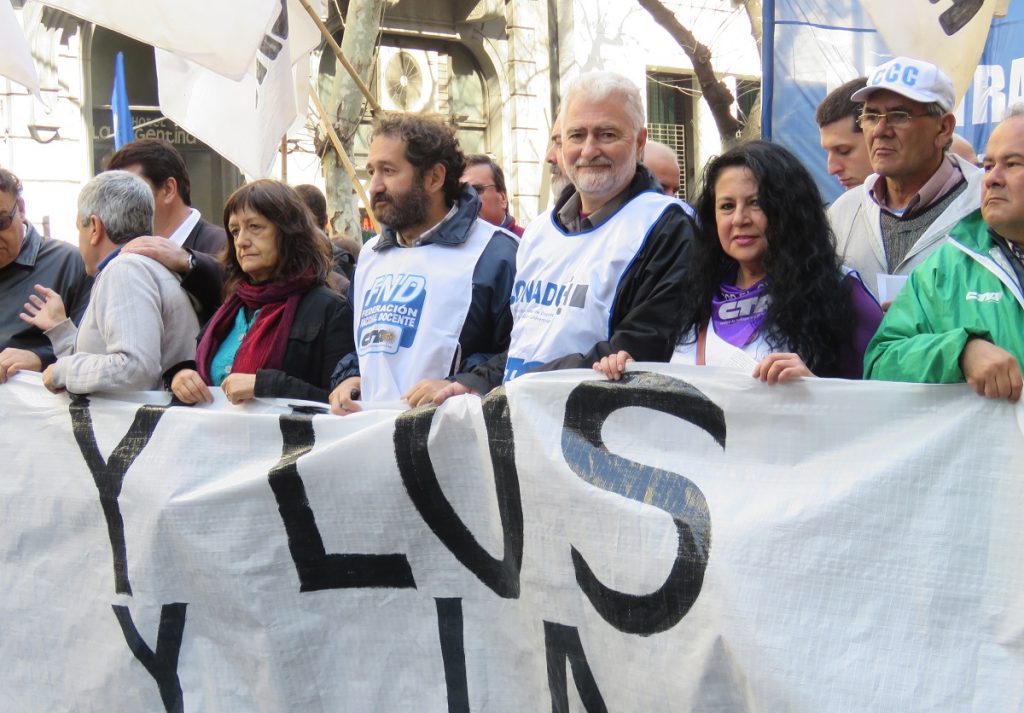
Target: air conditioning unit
[{"x": 406, "y": 79}]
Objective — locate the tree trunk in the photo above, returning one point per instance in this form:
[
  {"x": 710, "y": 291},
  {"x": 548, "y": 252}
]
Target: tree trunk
[
  {"x": 752, "y": 129},
  {"x": 716, "y": 94},
  {"x": 344, "y": 102}
]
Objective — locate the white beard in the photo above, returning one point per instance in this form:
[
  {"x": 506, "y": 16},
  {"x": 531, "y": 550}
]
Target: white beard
[{"x": 601, "y": 182}]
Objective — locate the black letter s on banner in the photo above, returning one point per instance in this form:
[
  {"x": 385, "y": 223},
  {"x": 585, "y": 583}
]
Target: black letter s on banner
[{"x": 586, "y": 410}]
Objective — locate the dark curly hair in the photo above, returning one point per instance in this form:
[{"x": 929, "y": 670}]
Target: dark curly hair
[
  {"x": 428, "y": 142},
  {"x": 810, "y": 312},
  {"x": 299, "y": 242}
]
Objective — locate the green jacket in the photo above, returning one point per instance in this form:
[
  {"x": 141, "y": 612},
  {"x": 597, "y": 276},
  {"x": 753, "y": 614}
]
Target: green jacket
[{"x": 966, "y": 289}]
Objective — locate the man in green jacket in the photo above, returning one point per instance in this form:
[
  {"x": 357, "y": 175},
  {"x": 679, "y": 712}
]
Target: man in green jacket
[{"x": 961, "y": 315}]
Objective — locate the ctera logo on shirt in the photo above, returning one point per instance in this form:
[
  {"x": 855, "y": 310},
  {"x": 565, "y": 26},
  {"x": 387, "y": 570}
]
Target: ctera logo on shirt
[
  {"x": 390, "y": 317},
  {"x": 742, "y": 308}
]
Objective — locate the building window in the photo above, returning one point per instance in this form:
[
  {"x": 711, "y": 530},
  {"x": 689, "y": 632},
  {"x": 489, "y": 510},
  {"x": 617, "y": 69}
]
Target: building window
[
  {"x": 746, "y": 97},
  {"x": 422, "y": 76},
  {"x": 670, "y": 119}
]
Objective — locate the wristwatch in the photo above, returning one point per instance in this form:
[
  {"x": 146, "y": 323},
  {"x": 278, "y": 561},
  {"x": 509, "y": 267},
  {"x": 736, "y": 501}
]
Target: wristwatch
[{"x": 191, "y": 261}]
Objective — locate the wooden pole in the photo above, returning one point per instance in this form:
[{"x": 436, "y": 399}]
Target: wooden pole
[
  {"x": 349, "y": 168},
  {"x": 284, "y": 159},
  {"x": 375, "y": 107}
]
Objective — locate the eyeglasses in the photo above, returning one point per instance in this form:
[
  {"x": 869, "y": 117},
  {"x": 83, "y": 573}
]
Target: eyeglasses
[
  {"x": 6, "y": 220},
  {"x": 481, "y": 187},
  {"x": 869, "y": 119}
]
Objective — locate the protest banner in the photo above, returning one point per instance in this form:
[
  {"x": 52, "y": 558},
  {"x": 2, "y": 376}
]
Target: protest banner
[{"x": 690, "y": 540}]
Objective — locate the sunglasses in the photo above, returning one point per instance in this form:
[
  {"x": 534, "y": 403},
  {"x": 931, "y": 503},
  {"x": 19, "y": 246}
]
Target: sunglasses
[{"x": 6, "y": 220}]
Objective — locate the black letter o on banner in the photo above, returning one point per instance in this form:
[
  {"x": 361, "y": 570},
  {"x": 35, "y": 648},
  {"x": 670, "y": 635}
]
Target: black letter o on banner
[
  {"x": 421, "y": 483},
  {"x": 586, "y": 410}
]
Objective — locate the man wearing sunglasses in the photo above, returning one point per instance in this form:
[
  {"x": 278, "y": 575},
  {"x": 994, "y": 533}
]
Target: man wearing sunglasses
[
  {"x": 26, "y": 260},
  {"x": 902, "y": 212},
  {"x": 488, "y": 180}
]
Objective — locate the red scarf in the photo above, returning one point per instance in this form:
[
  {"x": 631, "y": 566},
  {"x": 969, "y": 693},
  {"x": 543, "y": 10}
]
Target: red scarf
[{"x": 264, "y": 345}]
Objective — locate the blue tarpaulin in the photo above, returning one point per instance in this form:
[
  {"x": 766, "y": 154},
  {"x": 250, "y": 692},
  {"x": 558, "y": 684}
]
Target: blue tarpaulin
[{"x": 813, "y": 46}]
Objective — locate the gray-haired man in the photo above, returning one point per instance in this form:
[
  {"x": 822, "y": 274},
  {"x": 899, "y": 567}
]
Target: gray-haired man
[
  {"x": 139, "y": 321},
  {"x": 604, "y": 270},
  {"x": 900, "y": 215}
]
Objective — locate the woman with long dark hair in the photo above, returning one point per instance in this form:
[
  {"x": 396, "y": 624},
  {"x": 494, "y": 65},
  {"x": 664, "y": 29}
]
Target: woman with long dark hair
[
  {"x": 280, "y": 330},
  {"x": 767, "y": 289}
]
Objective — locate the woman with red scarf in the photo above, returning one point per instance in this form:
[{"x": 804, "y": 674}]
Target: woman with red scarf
[
  {"x": 280, "y": 330},
  {"x": 767, "y": 292}
]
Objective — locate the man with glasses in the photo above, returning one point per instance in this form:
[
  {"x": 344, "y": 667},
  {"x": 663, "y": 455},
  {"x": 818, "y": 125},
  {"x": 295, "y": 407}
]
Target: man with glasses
[
  {"x": 488, "y": 180},
  {"x": 902, "y": 212},
  {"x": 27, "y": 260}
]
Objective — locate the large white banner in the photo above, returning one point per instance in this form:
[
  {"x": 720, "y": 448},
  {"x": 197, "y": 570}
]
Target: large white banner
[
  {"x": 244, "y": 119},
  {"x": 16, "y": 61},
  {"x": 690, "y": 540},
  {"x": 220, "y": 35}
]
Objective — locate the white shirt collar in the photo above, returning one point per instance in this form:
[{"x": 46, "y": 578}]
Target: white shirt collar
[{"x": 182, "y": 231}]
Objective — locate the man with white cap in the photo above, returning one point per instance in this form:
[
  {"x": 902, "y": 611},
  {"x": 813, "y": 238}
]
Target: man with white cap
[{"x": 902, "y": 212}]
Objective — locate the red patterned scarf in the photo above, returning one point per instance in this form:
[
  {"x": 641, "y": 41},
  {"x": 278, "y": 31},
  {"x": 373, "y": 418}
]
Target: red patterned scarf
[{"x": 264, "y": 344}]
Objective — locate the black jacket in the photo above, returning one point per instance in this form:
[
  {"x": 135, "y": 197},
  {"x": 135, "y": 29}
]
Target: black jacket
[
  {"x": 646, "y": 310},
  {"x": 320, "y": 336},
  {"x": 205, "y": 282}
]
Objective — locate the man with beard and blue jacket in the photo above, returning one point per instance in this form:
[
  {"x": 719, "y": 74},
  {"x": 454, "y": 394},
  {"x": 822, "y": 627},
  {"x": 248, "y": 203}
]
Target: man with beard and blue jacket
[{"x": 431, "y": 292}]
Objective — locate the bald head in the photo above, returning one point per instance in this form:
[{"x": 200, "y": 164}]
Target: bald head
[
  {"x": 962, "y": 148},
  {"x": 662, "y": 161}
]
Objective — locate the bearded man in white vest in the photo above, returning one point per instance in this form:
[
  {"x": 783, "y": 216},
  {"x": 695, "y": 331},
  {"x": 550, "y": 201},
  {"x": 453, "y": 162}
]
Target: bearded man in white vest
[
  {"x": 430, "y": 295},
  {"x": 604, "y": 269}
]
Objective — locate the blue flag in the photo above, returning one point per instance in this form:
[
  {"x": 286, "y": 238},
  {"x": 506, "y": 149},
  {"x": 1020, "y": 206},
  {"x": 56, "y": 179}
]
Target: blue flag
[{"x": 123, "y": 131}]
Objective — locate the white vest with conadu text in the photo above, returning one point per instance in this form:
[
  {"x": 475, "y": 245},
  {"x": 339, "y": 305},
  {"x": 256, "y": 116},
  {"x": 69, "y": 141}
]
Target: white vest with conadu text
[{"x": 566, "y": 283}]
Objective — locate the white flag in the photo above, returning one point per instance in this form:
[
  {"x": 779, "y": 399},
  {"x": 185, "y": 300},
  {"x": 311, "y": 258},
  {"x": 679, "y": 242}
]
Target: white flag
[
  {"x": 950, "y": 35},
  {"x": 221, "y": 36},
  {"x": 243, "y": 120},
  {"x": 16, "y": 61}
]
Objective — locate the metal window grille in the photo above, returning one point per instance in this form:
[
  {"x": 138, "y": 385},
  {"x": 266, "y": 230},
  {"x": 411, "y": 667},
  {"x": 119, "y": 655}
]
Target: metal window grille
[{"x": 674, "y": 136}]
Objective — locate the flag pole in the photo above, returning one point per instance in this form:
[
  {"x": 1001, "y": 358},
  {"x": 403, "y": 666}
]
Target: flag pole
[
  {"x": 375, "y": 107},
  {"x": 349, "y": 168}
]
